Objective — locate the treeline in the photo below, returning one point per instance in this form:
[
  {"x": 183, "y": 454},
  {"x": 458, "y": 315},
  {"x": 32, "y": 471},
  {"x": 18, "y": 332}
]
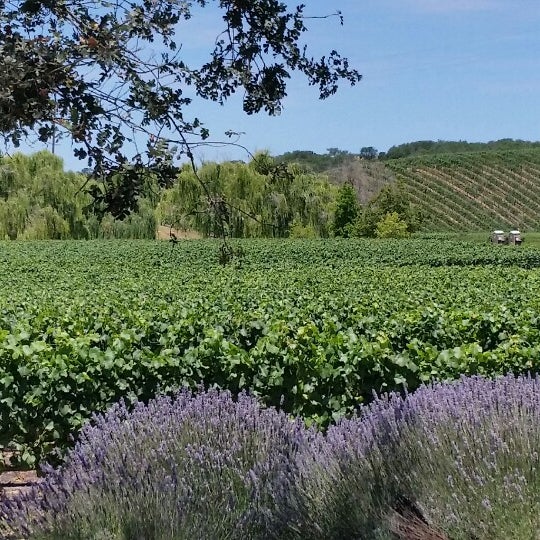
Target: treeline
[
  {"x": 257, "y": 199},
  {"x": 262, "y": 198},
  {"x": 452, "y": 147},
  {"x": 40, "y": 201},
  {"x": 335, "y": 158},
  {"x": 313, "y": 162}
]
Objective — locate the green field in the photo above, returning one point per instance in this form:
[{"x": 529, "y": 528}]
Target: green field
[{"x": 312, "y": 326}]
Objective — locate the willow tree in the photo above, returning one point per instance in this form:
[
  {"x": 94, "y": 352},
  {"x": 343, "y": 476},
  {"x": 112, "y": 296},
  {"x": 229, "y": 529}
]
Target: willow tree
[
  {"x": 104, "y": 74},
  {"x": 215, "y": 200},
  {"x": 39, "y": 200},
  {"x": 253, "y": 200}
]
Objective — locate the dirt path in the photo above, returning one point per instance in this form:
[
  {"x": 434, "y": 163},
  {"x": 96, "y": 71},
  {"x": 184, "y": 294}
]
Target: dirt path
[{"x": 164, "y": 233}]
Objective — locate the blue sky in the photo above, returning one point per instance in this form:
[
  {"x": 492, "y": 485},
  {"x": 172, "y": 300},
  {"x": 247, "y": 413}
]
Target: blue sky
[{"x": 432, "y": 69}]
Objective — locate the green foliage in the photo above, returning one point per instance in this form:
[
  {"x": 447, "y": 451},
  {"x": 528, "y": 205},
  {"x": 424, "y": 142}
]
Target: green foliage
[
  {"x": 300, "y": 231},
  {"x": 39, "y": 201},
  {"x": 346, "y": 212},
  {"x": 452, "y": 147},
  {"x": 391, "y": 226},
  {"x": 322, "y": 323},
  {"x": 255, "y": 199},
  {"x": 313, "y": 162},
  {"x": 391, "y": 200},
  {"x": 48, "y": 51}
]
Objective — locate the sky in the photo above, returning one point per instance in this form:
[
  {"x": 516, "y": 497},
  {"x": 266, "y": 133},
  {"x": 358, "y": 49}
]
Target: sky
[{"x": 432, "y": 69}]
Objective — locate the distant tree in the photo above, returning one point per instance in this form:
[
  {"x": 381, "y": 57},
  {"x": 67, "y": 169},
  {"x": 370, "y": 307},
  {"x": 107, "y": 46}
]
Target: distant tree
[
  {"x": 368, "y": 152},
  {"x": 258, "y": 201},
  {"x": 335, "y": 152},
  {"x": 392, "y": 226},
  {"x": 347, "y": 210},
  {"x": 391, "y": 200}
]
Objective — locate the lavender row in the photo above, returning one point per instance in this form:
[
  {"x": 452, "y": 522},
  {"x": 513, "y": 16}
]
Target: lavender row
[{"x": 456, "y": 460}]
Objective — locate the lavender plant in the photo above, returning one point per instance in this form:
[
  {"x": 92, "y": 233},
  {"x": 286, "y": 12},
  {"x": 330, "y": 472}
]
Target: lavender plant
[
  {"x": 453, "y": 460},
  {"x": 344, "y": 487},
  {"x": 203, "y": 466},
  {"x": 469, "y": 454}
]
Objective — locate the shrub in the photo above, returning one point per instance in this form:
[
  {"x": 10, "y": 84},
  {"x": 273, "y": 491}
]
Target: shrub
[
  {"x": 298, "y": 230},
  {"x": 469, "y": 455},
  {"x": 342, "y": 490},
  {"x": 453, "y": 460},
  {"x": 391, "y": 226},
  {"x": 178, "y": 468},
  {"x": 455, "y": 457}
]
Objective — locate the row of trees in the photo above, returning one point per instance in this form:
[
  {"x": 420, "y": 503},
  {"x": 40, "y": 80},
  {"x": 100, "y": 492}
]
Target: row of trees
[
  {"x": 332, "y": 159},
  {"x": 452, "y": 147},
  {"x": 38, "y": 200}
]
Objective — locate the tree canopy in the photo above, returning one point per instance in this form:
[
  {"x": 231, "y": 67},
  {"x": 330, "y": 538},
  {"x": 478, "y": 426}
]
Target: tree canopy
[
  {"x": 107, "y": 72},
  {"x": 452, "y": 147}
]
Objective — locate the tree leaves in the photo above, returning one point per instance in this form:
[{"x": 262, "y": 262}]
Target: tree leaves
[{"x": 85, "y": 71}]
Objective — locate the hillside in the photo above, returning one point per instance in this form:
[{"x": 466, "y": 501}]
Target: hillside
[
  {"x": 473, "y": 191},
  {"x": 458, "y": 191},
  {"x": 456, "y": 185}
]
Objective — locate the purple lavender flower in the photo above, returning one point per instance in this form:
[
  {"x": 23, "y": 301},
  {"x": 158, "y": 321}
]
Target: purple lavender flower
[
  {"x": 460, "y": 457},
  {"x": 203, "y": 466},
  {"x": 481, "y": 433}
]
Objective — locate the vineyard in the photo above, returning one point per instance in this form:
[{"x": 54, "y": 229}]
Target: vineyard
[
  {"x": 313, "y": 327},
  {"x": 473, "y": 191}
]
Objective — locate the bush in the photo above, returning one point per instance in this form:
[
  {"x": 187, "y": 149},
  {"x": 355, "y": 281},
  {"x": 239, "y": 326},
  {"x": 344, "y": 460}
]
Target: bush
[
  {"x": 343, "y": 489},
  {"x": 391, "y": 226},
  {"x": 469, "y": 455},
  {"x": 455, "y": 457},
  {"x": 392, "y": 200},
  {"x": 178, "y": 468},
  {"x": 302, "y": 231}
]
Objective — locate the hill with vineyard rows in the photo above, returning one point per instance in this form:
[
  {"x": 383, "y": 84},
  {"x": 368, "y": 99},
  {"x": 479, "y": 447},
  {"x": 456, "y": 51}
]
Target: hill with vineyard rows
[
  {"x": 473, "y": 191},
  {"x": 459, "y": 191}
]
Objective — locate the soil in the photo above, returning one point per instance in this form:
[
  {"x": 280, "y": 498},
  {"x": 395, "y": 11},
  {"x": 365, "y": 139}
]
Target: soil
[
  {"x": 164, "y": 233},
  {"x": 14, "y": 482}
]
